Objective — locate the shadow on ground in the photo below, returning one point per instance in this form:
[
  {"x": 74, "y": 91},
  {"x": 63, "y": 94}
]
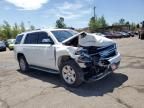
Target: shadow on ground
[{"x": 98, "y": 88}]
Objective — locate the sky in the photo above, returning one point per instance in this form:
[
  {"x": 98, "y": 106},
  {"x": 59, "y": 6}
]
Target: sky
[{"x": 44, "y": 13}]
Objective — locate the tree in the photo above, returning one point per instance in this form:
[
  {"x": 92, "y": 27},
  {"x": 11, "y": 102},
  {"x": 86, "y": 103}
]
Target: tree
[
  {"x": 15, "y": 30},
  {"x": 22, "y": 27},
  {"x": 7, "y": 32},
  {"x": 60, "y": 23},
  {"x": 137, "y": 26},
  {"x": 127, "y": 23},
  {"x": 122, "y": 21},
  {"x": 92, "y": 25},
  {"x": 133, "y": 26},
  {"x": 96, "y": 23},
  {"x": 102, "y": 21},
  {"x": 2, "y": 36},
  {"x": 32, "y": 27}
]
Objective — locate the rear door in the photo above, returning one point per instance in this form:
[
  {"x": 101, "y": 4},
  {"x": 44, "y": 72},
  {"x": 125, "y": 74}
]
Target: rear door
[{"x": 30, "y": 48}]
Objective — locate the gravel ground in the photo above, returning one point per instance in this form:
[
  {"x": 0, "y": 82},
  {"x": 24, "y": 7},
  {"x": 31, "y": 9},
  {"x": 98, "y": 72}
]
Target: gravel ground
[{"x": 123, "y": 89}]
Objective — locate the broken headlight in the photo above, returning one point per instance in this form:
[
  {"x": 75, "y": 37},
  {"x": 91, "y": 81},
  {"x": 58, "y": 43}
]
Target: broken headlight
[{"x": 83, "y": 55}]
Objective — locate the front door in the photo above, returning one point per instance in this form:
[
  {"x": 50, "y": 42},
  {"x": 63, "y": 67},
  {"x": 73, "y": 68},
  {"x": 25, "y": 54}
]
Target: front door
[{"x": 45, "y": 51}]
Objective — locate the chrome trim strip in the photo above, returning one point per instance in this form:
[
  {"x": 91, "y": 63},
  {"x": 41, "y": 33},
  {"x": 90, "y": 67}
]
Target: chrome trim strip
[{"x": 115, "y": 59}]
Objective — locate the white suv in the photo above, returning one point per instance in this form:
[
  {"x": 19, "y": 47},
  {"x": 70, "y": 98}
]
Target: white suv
[{"x": 77, "y": 57}]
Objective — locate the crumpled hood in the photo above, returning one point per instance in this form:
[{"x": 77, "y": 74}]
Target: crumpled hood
[
  {"x": 88, "y": 39},
  {"x": 94, "y": 40}
]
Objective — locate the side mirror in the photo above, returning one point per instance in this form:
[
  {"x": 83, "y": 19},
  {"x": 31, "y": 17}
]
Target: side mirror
[{"x": 47, "y": 41}]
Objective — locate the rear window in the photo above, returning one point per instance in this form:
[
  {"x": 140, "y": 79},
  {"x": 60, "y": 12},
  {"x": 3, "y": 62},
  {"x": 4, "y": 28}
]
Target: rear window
[
  {"x": 31, "y": 38},
  {"x": 18, "y": 39}
]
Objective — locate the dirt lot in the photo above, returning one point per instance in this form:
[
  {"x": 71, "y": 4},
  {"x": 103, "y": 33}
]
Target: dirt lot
[{"x": 123, "y": 89}]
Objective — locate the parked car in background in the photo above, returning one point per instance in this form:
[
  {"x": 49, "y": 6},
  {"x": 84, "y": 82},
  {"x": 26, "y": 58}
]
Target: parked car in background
[
  {"x": 99, "y": 34},
  {"x": 11, "y": 43},
  {"x": 136, "y": 33},
  {"x": 108, "y": 35},
  {"x": 6, "y": 43},
  {"x": 117, "y": 35},
  {"x": 124, "y": 34},
  {"x": 112, "y": 35},
  {"x": 131, "y": 34},
  {"x": 2, "y": 46}
]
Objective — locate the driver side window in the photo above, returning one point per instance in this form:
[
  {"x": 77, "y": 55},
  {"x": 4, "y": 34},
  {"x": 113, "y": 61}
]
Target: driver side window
[{"x": 44, "y": 38}]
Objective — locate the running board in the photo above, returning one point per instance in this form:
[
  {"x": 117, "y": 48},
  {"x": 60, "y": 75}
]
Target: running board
[{"x": 44, "y": 69}]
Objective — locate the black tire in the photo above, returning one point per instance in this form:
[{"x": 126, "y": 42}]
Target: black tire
[
  {"x": 5, "y": 49},
  {"x": 10, "y": 49},
  {"x": 79, "y": 76},
  {"x": 22, "y": 61}
]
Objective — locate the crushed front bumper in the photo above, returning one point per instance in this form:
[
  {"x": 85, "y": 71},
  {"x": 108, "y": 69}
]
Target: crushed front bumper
[
  {"x": 113, "y": 65},
  {"x": 115, "y": 59}
]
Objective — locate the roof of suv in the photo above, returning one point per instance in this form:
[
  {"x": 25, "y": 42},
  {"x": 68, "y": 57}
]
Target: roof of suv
[{"x": 46, "y": 30}]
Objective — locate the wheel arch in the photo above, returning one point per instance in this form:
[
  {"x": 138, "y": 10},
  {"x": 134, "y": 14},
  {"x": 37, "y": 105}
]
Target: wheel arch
[
  {"x": 63, "y": 59},
  {"x": 20, "y": 55}
]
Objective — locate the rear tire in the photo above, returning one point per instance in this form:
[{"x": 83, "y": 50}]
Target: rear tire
[
  {"x": 71, "y": 73},
  {"x": 24, "y": 67}
]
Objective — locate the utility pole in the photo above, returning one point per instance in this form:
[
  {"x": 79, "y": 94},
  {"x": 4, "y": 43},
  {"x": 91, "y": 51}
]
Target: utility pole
[{"x": 94, "y": 13}]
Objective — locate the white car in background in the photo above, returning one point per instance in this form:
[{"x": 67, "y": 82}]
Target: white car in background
[
  {"x": 11, "y": 43},
  {"x": 99, "y": 34}
]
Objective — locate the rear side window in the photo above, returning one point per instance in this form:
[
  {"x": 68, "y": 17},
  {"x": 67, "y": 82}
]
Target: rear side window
[
  {"x": 31, "y": 38},
  {"x": 18, "y": 39}
]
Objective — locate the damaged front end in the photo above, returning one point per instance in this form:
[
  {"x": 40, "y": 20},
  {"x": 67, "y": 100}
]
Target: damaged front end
[
  {"x": 96, "y": 55},
  {"x": 98, "y": 62}
]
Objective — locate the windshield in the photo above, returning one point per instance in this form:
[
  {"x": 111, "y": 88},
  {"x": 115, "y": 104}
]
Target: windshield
[{"x": 62, "y": 35}]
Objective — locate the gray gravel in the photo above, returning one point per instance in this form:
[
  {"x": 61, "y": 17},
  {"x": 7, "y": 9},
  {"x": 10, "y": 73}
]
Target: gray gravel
[{"x": 123, "y": 89}]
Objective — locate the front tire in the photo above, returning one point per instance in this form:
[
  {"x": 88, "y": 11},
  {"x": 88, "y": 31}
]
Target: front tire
[
  {"x": 71, "y": 73},
  {"x": 24, "y": 67}
]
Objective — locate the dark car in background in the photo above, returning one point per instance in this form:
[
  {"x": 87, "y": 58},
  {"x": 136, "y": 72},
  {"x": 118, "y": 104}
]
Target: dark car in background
[
  {"x": 6, "y": 43},
  {"x": 124, "y": 34},
  {"x": 112, "y": 35},
  {"x": 2, "y": 46},
  {"x": 108, "y": 34},
  {"x": 130, "y": 33},
  {"x": 117, "y": 35}
]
